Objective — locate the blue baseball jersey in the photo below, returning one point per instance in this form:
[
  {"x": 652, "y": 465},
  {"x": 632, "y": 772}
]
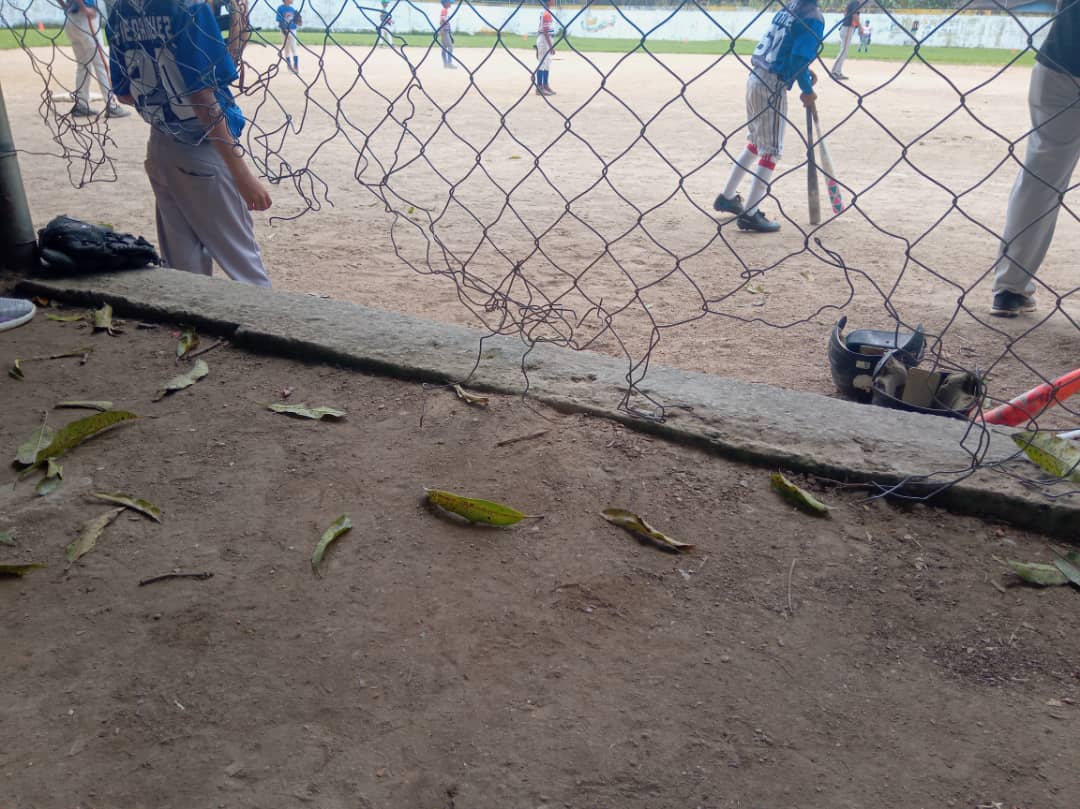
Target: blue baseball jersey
[
  {"x": 161, "y": 51},
  {"x": 286, "y": 17},
  {"x": 73, "y": 6},
  {"x": 792, "y": 43}
]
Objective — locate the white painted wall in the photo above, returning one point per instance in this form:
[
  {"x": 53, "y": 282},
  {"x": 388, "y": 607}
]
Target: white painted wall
[{"x": 609, "y": 22}]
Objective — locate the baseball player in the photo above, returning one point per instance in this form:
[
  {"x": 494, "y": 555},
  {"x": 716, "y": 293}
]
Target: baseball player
[
  {"x": 865, "y": 35},
  {"x": 1052, "y": 150},
  {"x": 386, "y": 23},
  {"x": 848, "y": 26},
  {"x": 83, "y": 28},
  {"x": 170, "y": 61},
  {"x": 781, "y": 58},
  {"x": 286, "y": 21},
  {"x": 545, "y": 47},
  {"x": 446, "y": 36}
]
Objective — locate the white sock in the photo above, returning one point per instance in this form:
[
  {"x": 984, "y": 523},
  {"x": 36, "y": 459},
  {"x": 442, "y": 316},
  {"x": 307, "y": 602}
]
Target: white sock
[
  {"x": 759, "y": 187},
  {"x": 738, "y": 171}
]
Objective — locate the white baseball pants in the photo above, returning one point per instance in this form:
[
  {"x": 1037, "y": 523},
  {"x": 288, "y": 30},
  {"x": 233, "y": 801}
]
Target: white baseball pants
[
  {"x": 1052, "y": 151},
  {"x": 201, "y": 217},
  {"x": 766, "y": 112},
  {"x": 90, "y": 58},
  {"x": 288, "y": 48}
]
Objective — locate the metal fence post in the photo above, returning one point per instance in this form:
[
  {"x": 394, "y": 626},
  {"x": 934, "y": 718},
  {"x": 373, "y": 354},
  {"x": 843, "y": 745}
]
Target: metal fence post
[{"x": 18, "y": 242}]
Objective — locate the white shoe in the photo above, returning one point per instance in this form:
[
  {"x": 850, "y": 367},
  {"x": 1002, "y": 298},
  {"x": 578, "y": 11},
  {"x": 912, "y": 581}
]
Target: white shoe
[{"x": 14, "y": 312}]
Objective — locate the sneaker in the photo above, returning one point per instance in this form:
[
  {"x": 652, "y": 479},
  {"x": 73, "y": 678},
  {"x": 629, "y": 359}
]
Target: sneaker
[
  {"x": 116, "y": 111},
  {"x": 756, "y": 222},
  {"x": 1010, "y": 304},
  {"x": 733, "y": 205},
  {"x": 839, "y": 77},
  {"x": 14, "y": 312},
  {"x": 548, "y": 91},
  {"x": 82, "y": 111}
]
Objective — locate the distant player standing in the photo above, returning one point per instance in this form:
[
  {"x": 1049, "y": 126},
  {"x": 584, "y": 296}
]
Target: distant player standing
[
  {"x": 83, "y": 29},
  {"x": 286, "y": 21},
  {"x": 545, "y": 47},
  {"x": 170, "y": 61},
  {"x": 781, "y": 58},
  {"x": 1052, "y": 151},
  {"x": 386, "y": 22},
  {"x": 446, "y": 36},
  {"x": 848, "y": 26},
  {"x": 865, "y": 35}
]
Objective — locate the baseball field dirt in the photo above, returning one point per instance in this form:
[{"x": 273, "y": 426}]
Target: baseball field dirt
[
  {"x": 925, "y": 147},
  {"x": 880, "y": 657}
]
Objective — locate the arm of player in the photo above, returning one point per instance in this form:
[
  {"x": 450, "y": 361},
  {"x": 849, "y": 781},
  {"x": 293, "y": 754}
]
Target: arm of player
[
  {"x": 804, "y": 49},
  {"x": 212, "y": 117}
]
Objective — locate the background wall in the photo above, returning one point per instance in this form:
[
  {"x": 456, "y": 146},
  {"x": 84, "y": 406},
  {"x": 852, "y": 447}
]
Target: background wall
[{"x": 936, "y": 29}]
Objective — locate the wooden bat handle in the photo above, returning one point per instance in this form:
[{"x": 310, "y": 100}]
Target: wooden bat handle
[{"x": 813, "y": 196}]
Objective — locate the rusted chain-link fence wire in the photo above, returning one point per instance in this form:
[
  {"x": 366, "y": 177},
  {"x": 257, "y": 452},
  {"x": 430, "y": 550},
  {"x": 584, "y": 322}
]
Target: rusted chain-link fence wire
[{"x": 585, "y": 219}]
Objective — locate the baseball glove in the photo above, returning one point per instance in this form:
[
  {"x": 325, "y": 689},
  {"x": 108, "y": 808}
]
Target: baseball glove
[
  {"x": 298, "y": 19},
  {"x": 69, "y": 245}
]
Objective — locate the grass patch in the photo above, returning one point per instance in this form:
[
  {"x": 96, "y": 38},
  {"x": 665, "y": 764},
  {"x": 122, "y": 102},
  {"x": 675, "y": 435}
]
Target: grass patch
[
  {"x": 13, "y": 38},
  {"x": 742, "y": 47}
]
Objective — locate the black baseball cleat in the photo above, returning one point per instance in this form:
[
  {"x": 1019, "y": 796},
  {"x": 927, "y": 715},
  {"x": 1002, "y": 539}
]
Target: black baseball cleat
[
  {"x": 757, "y": 223},
  {"x": 1011, "y": 304},
  {"x": 733, "y": 205}
]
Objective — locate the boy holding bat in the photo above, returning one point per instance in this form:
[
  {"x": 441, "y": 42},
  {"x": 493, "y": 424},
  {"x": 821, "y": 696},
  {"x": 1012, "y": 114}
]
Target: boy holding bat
[{"x": 781, "y": 59}]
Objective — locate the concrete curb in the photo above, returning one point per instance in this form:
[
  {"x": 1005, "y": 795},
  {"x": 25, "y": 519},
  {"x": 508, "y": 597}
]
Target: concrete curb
[{"x": 759, "y": 424}]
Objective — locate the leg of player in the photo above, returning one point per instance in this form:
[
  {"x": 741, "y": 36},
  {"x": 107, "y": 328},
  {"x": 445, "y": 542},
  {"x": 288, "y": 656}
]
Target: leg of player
[
  {"x": 729, "y": 199},
  {"x": 1052, "y": 152},
  {"x": 180, "y": 246},
  {"x": 845, "y": 43},
  {"x": 752, "y": 218},
  {"x": 83, "y": 47},
  {"x": 766, "y": 108},
  {"x": 201, "y": 214},
  {"x": 288, "y": 49},
  {"x": 99, "y": 67}
]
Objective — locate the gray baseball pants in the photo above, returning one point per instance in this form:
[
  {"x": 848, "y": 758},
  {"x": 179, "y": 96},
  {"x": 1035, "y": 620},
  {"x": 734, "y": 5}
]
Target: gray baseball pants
[
  {"x": 1052, "y": 150},
  {"x": 845, "y": 42},
  {"x": 201, "y": 217}
]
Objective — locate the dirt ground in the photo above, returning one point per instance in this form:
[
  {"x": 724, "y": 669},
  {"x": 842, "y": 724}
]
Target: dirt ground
[
  {"x": 863, "y": 660},
  {"x": 624, "y": 253}
]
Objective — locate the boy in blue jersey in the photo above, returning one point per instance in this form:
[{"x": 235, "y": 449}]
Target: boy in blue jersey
[
  {"x": 168, "y": 60},
  {"x": 286, "y": 20},
  {"x": 781, "y": 59}
]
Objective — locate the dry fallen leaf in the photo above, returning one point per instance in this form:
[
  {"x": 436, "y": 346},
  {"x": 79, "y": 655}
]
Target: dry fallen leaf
[
  {"x": 474, "y": 510},
  {"x": 635, "y": 525},
  {"x": 90, "y": 533}
]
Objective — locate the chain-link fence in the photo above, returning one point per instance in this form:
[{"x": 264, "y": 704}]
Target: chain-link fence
[{"x": 590, "y": 197}]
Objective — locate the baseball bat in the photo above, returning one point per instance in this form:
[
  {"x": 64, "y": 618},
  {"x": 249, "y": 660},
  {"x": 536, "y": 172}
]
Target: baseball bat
[
  {"x": 831, "y": 185},
  {"x": 1035, "y": 401},
  {"x": 813, "y": 197}
]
